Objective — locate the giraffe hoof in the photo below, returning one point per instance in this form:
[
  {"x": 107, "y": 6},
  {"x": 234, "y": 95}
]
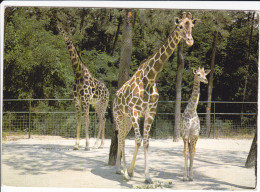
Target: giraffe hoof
[
  {"x": 87, "y": 149},
  {"x": 185, "y": 179},
  {"x": 100, "y": 147},
  {"x": 126, "y": 177},
  {"x": 131, "y": 174},
  {"x": 118, "y": 172},
  {"x": 76, "y": 148},
  {"x": 148, "y": 181}
]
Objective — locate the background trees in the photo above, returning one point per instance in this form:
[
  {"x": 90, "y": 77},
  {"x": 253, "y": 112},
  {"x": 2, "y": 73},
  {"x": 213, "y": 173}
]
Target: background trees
[{"x": 37, "y": 64}]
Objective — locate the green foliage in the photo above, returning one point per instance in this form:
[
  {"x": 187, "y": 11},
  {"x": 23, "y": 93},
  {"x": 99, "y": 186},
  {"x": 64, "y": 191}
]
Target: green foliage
[
  {"x": 8, "y": 119},
  {"x": 37, "y": 62}
]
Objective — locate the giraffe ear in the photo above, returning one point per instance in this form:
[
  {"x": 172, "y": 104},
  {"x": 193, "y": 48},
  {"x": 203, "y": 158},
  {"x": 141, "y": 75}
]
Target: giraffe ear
[
  {"x": 195, "y": 21},
  {"x": 177, "y": 20},
  {"x": 207, "y": 71}
]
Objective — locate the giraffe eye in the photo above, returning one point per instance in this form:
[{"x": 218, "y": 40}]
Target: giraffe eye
[{"x": 181, "y": 27}]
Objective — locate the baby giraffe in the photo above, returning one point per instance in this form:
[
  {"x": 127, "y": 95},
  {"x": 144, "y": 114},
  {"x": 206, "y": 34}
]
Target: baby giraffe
[{"x": 190, "y": 123}]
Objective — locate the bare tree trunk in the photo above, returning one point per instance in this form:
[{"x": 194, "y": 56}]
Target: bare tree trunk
[
  {"x": 210, "y": 85},
  {"x": 83, "y": 14},
  {"x": 252, "y": 155},
  {"x": 117, "y": 34},
  {"x": 124, "y": 68},
  {"x": 248, "y": 62},
  {"x": 180, "y": 66}
]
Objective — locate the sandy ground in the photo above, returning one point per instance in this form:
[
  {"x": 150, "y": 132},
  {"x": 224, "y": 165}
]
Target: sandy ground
[{"x": 51, "y": 162}]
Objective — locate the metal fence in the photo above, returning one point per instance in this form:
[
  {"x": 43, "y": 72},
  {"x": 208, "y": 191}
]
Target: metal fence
[{"x": 58, "y": 117}]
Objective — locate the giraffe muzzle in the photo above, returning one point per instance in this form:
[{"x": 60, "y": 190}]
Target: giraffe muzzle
[
  {"x": 189, "y": 41},
  {"x": 205, "y": 81}
]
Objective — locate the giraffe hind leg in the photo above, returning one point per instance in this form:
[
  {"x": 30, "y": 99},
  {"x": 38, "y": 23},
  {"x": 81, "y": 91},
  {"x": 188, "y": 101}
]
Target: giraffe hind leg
[
  {"x": 186, "y": 153},
  {"x": 101, "y": 109},
  {"x": 138, "y": 141},
  {"x": 193, "y": 141},
  {"x": 121, "y": 150}
]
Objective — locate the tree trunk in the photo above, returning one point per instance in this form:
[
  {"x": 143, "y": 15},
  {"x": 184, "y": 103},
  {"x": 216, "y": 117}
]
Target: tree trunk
[
  {"x": 210, "y": 85},
  {"x": 83, "y": 13},
  {"x": 180, "y": 66},
  {"x": 117, "y": 34},
  {"x": 252, "y": 155},
  {"x": 248, "y": 62},
  {"x": 124, "y": 68}
]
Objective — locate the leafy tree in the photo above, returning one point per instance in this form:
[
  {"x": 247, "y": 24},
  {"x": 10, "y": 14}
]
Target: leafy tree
[
  {"x": 124, "y": 67},
  {"x": 37, "y": 64}
]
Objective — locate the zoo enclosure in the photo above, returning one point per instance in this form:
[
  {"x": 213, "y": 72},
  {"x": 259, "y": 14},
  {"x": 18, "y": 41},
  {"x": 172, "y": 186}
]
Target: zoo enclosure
[{"x": 58, "y": 117}]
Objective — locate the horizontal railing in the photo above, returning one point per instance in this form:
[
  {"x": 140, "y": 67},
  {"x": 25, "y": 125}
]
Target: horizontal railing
[{"x": 31, "y": 118}]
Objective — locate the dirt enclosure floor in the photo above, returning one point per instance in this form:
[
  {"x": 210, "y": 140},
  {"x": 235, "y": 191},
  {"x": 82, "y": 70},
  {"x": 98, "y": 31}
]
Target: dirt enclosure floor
[{"x": 52, "y": 162}]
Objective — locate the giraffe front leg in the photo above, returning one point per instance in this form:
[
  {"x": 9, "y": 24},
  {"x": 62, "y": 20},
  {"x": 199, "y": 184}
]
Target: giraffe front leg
[
  {"x": 186, "y": 153},
  {"x": 76, "y": 147},
  {"x": 78, "y": 108},
  {"x": 132, "y": 165},
  {"x": 86, "y": 108},
  {"x": 147, "y": 126},
  {"x": 193, "y": 142}
]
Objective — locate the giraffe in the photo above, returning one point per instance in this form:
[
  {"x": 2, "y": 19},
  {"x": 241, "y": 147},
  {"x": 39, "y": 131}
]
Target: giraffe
[
  {"x": 87, "y": 91},
  {"x": 190, "y": 123},
  {"x": 138, "y": 97}
]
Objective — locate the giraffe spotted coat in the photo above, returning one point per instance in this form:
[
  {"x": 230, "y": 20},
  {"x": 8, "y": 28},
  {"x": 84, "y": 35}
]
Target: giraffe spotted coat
[
  {"x": 138, "y": 97},
  {"x": 190, "y": 123},
  {"x": 87, "y": 91}
]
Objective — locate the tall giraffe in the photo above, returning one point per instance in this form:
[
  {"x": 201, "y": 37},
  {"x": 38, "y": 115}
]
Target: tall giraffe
[
  {"x": 138, "y": 97},
  {"x": 190, "y": 123},
  {"x": 86, "y": 91}
]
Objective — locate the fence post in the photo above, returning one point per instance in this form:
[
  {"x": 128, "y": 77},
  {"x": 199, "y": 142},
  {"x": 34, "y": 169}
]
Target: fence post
[{"x": 30, "y": 105}]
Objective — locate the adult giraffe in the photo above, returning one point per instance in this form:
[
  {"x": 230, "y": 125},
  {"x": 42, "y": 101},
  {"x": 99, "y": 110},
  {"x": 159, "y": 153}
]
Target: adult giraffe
[
  {"x": 87, "y": 91},
  {"x": 138, "y": 97}
]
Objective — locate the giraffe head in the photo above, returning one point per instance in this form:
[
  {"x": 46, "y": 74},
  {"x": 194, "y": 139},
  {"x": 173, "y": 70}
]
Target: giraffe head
[
  {"x": 184, "y": 26},
  {"x": 200, "y": 74},
  {"x": 64, "y": 29}
]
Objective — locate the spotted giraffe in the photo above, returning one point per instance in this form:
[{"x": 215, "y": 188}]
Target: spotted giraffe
[
  {"x": 190, "y": 123},
  {"x": 138, "y": 97},
  {"x": 87, "y": 91}
]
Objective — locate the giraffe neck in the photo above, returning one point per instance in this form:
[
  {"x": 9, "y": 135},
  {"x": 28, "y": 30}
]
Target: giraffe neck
[
  {"x": 194, "y": 100},
  {"x": 155, "y": 64},
  {"x": 77, "y": 65}
]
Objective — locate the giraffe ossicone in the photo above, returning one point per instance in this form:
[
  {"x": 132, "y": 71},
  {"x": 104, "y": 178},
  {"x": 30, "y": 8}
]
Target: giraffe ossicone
[
  {"x": 138, "y": 97},
  {"x": 190, "y": 123},
  {"x": 87, "y": 91}
]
